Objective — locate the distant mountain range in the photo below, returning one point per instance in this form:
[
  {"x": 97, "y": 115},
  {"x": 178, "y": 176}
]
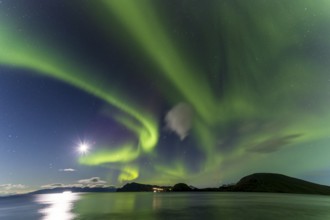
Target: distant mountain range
[{"x": 258, "y": 182}]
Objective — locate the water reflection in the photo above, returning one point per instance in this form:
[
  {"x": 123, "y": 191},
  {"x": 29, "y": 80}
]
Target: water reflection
[
  {"x": 154, "y": 206},
  {"x": 58, "y": 205},
  {"x": 156, "y": 201},
  {"x": 108, "y": 203}
]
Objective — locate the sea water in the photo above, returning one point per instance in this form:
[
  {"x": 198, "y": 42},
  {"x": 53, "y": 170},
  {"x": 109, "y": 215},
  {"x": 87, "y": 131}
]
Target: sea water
[{"x": 215, "y": 205}]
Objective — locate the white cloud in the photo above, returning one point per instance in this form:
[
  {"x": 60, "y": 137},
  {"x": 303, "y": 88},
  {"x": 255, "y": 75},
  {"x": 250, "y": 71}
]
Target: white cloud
[
  {"x": 93, "y": 182},
  {"x": 60, "y": 185},
  {"x": 12, "y": 188},
  {"x": 67, "y": 170},
  {"x": 179, "y": 119},
  {"x": 52, "y": 185}
]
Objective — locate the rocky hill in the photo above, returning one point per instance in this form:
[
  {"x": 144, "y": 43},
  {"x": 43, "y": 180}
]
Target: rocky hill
[
  {"x": 138, "y": 187},
  {"x": 277, "y": 183}
]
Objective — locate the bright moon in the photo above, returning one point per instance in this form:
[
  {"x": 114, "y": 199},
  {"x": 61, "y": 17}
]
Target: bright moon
[{"x": 83, "y": 148}]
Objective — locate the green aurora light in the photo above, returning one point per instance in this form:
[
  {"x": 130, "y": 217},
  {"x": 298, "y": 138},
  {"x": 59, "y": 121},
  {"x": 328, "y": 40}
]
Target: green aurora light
[{"x": 259, "y": 109}]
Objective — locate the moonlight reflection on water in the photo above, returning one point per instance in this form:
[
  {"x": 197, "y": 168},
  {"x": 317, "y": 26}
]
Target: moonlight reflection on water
[{"x": 57, "y": 205}]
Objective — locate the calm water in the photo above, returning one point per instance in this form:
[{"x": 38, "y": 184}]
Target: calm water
[{"x": 68, "y": 206}]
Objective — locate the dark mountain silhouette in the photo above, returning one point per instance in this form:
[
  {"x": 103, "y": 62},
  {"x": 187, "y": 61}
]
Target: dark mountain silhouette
[
  {"x": 258, "y": 182},
  {"x": 181, "y": 187},
  {"x": 138, "y": 187},
  {"x": 277, "y": 183}
]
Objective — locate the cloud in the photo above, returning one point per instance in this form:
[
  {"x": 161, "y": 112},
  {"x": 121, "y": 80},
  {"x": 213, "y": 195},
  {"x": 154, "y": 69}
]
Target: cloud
[
  {"x": 12, "y": 188},
  {"x": 60, "y": 185},
  {"x": 92, "y": 182},
  {"x": 67, "y": 170},
  {"x": 52, "y": 185},
  {"x": 273, "y": 144},
  {"x": 179, "y": 119}
]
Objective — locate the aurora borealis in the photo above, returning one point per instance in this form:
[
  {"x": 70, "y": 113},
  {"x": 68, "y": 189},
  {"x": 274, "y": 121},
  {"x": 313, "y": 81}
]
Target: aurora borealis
[{"x": 164, "y": 91}]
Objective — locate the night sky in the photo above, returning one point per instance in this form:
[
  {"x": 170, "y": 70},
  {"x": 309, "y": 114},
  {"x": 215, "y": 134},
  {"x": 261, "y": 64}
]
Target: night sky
[{"x": 162, "y": 91}]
